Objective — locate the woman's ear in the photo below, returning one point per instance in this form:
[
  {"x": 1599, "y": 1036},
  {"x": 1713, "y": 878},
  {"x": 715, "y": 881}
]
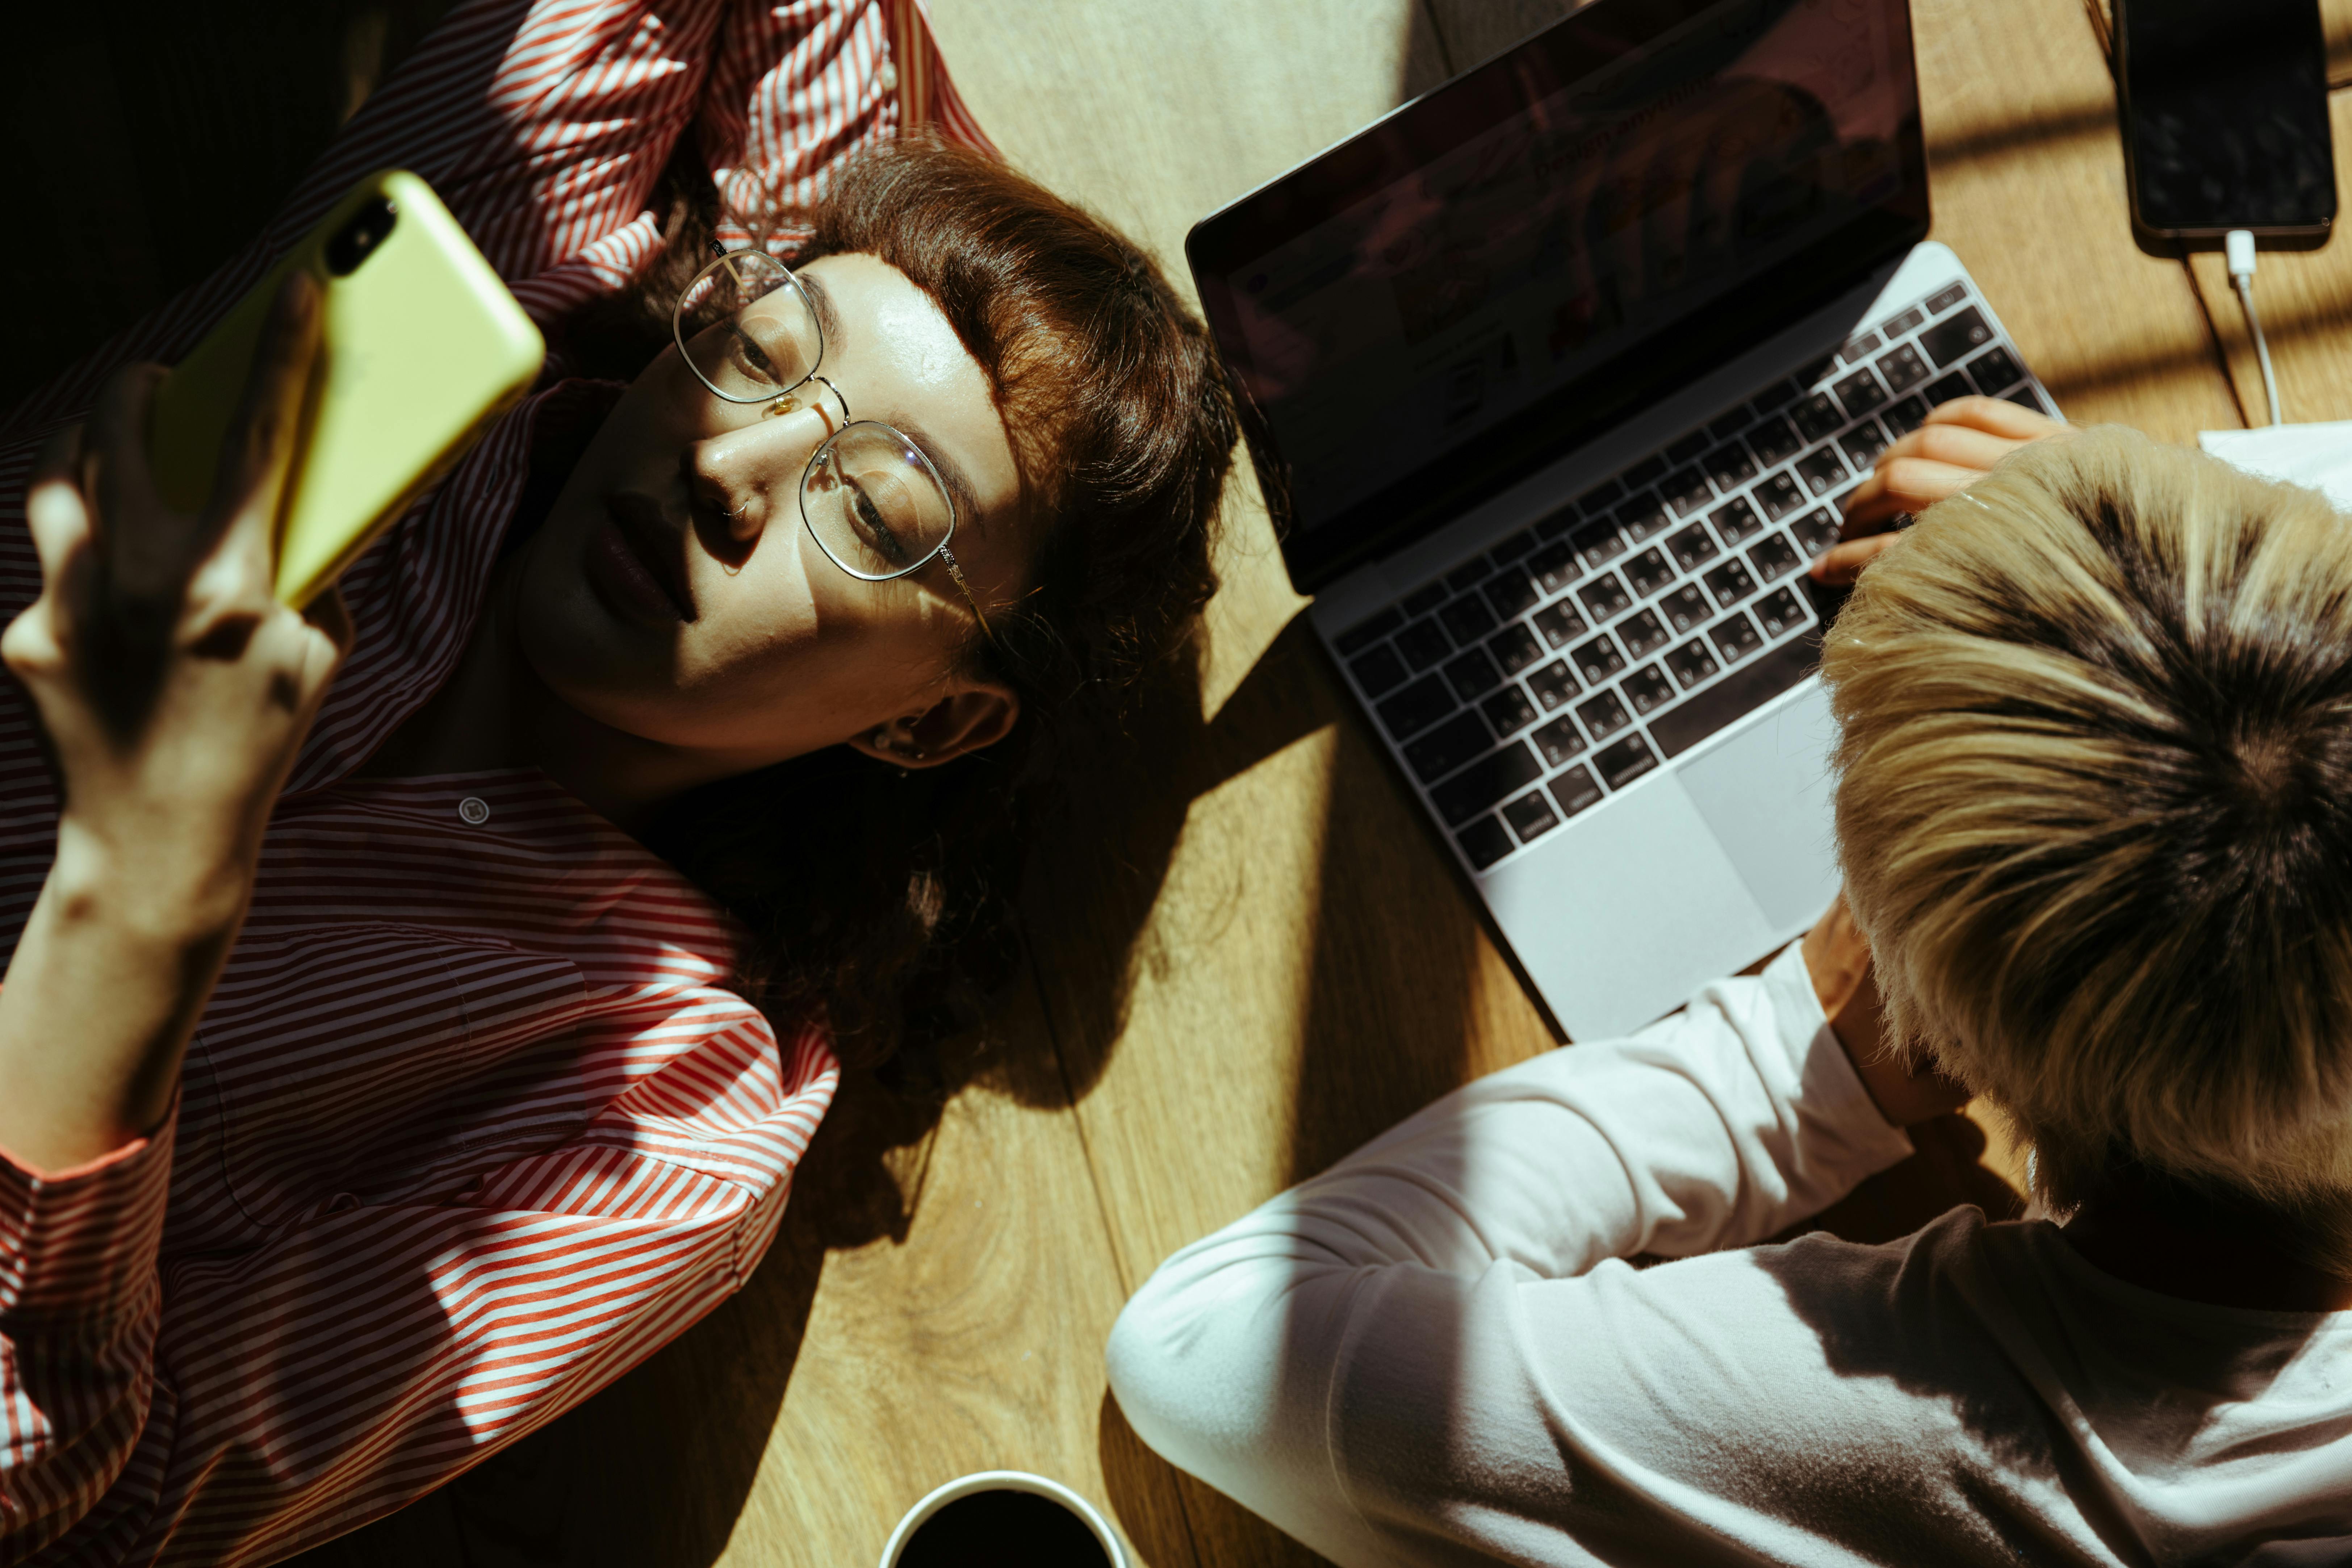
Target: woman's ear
[{"x": 963, "y": 721}]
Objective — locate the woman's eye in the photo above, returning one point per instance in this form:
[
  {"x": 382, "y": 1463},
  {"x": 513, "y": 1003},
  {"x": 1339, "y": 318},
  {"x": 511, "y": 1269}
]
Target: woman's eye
[
  {"x": 752, "y": 357},
  {"x": 873, "y": 526}
]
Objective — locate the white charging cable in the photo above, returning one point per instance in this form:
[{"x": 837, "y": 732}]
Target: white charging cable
[{"x": 2240, "y": 248}]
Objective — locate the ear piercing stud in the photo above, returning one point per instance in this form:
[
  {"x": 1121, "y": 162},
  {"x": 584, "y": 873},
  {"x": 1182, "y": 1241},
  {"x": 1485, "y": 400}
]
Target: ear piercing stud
[{"x": 911, "y": 752}]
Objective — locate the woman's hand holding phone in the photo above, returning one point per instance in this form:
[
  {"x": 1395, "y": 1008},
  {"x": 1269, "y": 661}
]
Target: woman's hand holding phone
[{"x": 175, "y": 690}]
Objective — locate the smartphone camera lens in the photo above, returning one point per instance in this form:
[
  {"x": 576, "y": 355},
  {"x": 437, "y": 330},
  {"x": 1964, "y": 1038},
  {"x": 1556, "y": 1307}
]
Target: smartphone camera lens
[{"x": 357, "y": 240}]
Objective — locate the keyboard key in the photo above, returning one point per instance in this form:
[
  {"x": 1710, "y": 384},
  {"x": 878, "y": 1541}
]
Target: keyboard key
[
  {"x": 1626, "y": 760},
  {"x": 1693, "y": 546},
  {"x": 1820, "y": 470},
  {"x": 1598, "y": 660},
  {"x": 1689, "y": 446},
  {"x": 1511, "y": 595},
  {"x": 1730, "y": 467},
  {"x": 1574, "y": 790},
  {"x": 1904, "y": 323},
  {"x": 1780, "y": 495},
  {"x": 1737, "y": 521},
  {"x": 1813, "y": 373},
  {"x": 1447, "y": 747},
  {"x": 1364, "y": 633},
  {"x": 1531, "y": 815},
  {"x": 1647, "y": 687},
  {"x": 1686, "y": 491},
  {"x": 1416, "y": 708},
  {"x": 1856, "y": 347},
  {"x": 1554, "y": 567},
  {"x": 1558, "y": 522},
  {"x": 1649, "y": 572},
  {"x": 1906, "y": 416},
  {"x": 1559, "y": 623},
  {"x": 1553, "y": 685},
  {"x": 1948, "y": 387},
  {"x": 1608, "y": 492},
  {"x": 1817, "y": 417},
  {"x": 1781, "y": 611},
  {"x": 1774, "y": 557},
  {"x": 1996, "y": 371},
  {"x": 1603, "y": 716},
  {"x": 1775, "y": 442},
  {"x": 1469, "y": 574},
  {"x": 1485, "y": 781},
  {"x": 1511, "y": 549},
  {"x": 1473, "y": 675},
  {"x": 1421, "y": 601},
  {"x": 1484, "y": 841},
  {"x": 2025, "y": 397},
  {"x": 1423, "y": 643},
  {"x": 1775, "y": 395},
  {"x": 1509, "y": 711},
  {"x": 1515, "y": 648},
  {"x": 1735, "y": 637},
  {"x": 1944, "y": 299},
  {"x": 1646, "y": 472},
  {"x": 1604, "y": 597},
  {"x": 1904, "y": 369},
  {"x": 1643, "y": 520},
  {"x": 1379, "y": 672},
  {"x": 1641, "y": 634},
  {"x": 1685, "y": 608},
  {"x": 1862, "y": 444},
  {"x": 1815, "y": 532},
  {"x": 1691, "y": 663},
  {"x": 1467, "y": 618},
  {"x": 1956, "y": 338},
  {"x": 1730, "y": 582},
  {"x": 1742, "y": 691},
  {"x": 1558, "y": 741},
  {"x": 1599, "y": 544},
  {"x": 1861, "y": 394},
  {"x": 1726, "y": 426}
]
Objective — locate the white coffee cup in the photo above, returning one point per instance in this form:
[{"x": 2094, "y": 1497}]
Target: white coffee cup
[{"x": 1004, "y": 1481}]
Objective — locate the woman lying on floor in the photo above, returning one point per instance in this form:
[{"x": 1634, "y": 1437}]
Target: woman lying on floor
[
  {"x": 2097, "y": 752},
  {"x": 491, "y": 1100}
]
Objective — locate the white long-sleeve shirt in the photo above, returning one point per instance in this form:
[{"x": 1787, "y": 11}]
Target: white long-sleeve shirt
[{"x": 1435, "y": 1353}]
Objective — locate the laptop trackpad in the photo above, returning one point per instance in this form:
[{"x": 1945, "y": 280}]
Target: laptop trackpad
[
  {"x": 1769, "y": 794},
  {"x": 1621, "y": 917}
]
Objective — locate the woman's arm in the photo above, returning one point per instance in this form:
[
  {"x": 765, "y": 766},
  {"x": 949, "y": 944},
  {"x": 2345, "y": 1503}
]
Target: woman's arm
[
  {"x": 174, "y": 690},
  {"x": 1717, "y": 1127}
]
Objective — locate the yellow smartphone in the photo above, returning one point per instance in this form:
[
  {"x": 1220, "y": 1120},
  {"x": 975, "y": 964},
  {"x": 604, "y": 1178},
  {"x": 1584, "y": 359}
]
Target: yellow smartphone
[{"x": 420, "y": 349}]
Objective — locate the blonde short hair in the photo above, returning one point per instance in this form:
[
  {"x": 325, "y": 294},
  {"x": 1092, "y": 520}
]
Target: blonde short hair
[{"x": 2095, "y": 811}]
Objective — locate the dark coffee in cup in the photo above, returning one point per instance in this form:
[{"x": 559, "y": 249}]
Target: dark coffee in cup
[{"x": 1000, "y": 1528}]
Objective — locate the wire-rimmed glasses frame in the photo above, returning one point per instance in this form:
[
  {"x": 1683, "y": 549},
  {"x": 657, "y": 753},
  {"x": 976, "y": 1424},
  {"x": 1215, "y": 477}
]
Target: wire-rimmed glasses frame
[{"x": 770, "y": 357}]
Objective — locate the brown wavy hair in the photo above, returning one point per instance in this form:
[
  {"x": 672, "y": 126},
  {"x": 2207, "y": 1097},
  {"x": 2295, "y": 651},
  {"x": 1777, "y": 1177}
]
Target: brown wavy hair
[{"x": 880, "y": 898}]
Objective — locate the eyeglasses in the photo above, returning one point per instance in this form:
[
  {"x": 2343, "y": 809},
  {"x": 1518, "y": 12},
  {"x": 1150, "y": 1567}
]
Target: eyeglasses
[{"x": 871, "y": 498}]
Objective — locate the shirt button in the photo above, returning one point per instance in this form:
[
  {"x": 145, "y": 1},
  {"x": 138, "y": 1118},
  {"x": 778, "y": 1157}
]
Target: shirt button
[
  {"x": 888, "y": 77},
  {"x": 474, "y": 810}
]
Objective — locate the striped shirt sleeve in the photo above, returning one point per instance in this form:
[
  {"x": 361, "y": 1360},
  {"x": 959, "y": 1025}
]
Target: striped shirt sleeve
[{"x": 79, "y": 1307}]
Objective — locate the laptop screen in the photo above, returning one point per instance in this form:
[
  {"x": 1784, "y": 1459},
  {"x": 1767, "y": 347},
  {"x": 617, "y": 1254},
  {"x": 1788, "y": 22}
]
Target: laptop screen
[{"x": 1430, "y": 310}]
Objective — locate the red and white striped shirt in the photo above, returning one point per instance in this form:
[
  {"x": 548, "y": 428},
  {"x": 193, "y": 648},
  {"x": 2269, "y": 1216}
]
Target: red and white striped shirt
[{"x": 472, "y": 1124}]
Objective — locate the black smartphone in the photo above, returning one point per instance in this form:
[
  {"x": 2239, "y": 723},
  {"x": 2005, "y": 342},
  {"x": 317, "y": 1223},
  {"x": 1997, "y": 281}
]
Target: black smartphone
[{"x": 2225, "y": 116}]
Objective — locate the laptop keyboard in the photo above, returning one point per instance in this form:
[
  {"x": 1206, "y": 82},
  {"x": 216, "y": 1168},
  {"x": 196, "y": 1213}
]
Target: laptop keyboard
[{"x": 1531, "y": 682}]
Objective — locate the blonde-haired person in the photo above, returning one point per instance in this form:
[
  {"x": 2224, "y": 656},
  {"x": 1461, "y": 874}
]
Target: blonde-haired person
[{"x": 2096, "y": 812}]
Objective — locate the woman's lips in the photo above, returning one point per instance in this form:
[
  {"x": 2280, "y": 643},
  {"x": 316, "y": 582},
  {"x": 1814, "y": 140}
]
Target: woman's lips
[{"x": 634, "y": 558}]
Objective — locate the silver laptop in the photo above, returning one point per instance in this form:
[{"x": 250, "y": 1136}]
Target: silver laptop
[{"x": 1556, "y": 379}]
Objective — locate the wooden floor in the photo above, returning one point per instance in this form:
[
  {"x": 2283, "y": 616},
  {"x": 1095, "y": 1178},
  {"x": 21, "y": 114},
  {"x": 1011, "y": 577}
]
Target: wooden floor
[{"x": 1246, "y": 952}]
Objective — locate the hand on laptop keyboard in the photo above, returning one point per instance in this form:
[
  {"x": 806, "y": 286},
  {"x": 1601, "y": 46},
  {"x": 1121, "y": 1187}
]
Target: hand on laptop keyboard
[{"x": 1958, "y": 442}]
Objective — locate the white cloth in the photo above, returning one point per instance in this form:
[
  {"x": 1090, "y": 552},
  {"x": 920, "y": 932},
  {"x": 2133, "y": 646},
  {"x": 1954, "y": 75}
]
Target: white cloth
[{"x": 1433, "y": 1353}]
